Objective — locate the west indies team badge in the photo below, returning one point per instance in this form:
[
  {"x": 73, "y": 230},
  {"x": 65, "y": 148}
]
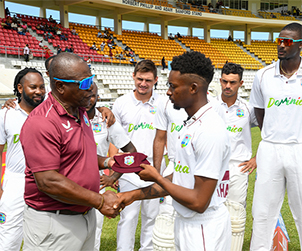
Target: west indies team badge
[
  {"x": 86, "y": 120},
  {"x": 129, "y": 160},
  {"x": 2, "y": 218},
  {"x": 97, "y": 128},
  {"x": 153, "y": 109},
  {"x": 240, "y": 113},
  {"x": 185, "y": 141}
]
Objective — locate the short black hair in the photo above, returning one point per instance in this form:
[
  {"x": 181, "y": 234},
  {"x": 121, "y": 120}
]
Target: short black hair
[
  {"x": 19, "y": 79},
  {"x": 194, "y": 62},
  {"x": 232, "y": 68},
  {"x": 294, "y": 27},
  {"x": 47, "y": 62}
]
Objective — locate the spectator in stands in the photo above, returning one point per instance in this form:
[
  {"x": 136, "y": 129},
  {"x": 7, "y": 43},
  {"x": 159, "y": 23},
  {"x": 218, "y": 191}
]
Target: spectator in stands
[
  {"x": 230, "y": 38},
  {"x": 273, "y": 16},
  {"x": 110, "y": 53},
  {"x": 7, "y": 12},
  {"x": 163, "y": 63},
  {"x": 26, "y": 52},
  {"x": 41, "y": 44},
  {"x": 88, "y": 61},
  {"x": 211, "y": 8},
  {"x": 294, "y": 11},
  {"x": 71, "y": 49},
  {"x": 93, "y": 47},
  {"x": 121, "y": 56},
  {"x": 171, "y": 36},
  {"x": 51, "y": 19},
  {"x": 100, "y": 34},
  {"x": 8, "y": 23},
  {"x": 102, "y": 46},
  {"x": 14, "y": 26},
  {"x": 73, "y": 31},
  {"x": 132, "y": 61},
  {"x": 15, "y": 19},
  {"x": 127, "y": 48},
  {"x": 47, "y": 52},
  {"x": 298, "y": 12},
  {"x": 24, "y": 27},
  {"x": 178, "y": 35},
  {"x": 59, "y": 32},
  {"x": 20, "y": 30},
  {"x": 59, "y": 50},
  {"x": 66, "y": 49},
  {"x": 63, "y": 37},
  {"x": 131, "y": 53}
]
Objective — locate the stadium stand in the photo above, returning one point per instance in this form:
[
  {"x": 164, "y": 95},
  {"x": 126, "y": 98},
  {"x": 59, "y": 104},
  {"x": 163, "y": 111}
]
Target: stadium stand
[
  {"x": 236, "y": 54},
  {"x": 275, "y": 15},
  {"x": 196, "y": 44},
  {"x": 265, "y": 50},
  {"x": 156, "y": 48}
]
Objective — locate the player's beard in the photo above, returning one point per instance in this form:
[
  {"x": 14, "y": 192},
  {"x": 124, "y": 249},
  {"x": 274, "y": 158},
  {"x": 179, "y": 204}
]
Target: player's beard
[
  {"x": 30, "y": 101},
  {"x": 176, "y": 107}
]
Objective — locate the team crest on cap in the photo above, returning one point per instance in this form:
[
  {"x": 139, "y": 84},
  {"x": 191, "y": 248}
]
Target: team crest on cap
[
  {"x": 97, "y": 128},
  {"x": 185, "y": 141},
  {"x": 86, "y": 120},
  {"x": 153, "y": 109},
  {"x": 129, "y": 160},
  {"x": 240, "y": 113},
  {"x": 2, "y": 218}
]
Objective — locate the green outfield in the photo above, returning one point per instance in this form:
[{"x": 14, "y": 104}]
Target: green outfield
[{"x": 108, "y": 241}]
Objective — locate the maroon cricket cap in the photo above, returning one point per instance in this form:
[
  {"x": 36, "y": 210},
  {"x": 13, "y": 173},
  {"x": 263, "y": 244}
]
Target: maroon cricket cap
[{"x": 129, "y": 163}]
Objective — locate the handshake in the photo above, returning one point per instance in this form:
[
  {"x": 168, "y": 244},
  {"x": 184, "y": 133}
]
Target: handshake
[{"x": 114, "y": 203}]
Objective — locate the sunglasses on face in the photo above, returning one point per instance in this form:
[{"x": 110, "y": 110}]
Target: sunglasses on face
[
  {"x": 286, "y": 41},
  {"x": 83, "y": 84}
]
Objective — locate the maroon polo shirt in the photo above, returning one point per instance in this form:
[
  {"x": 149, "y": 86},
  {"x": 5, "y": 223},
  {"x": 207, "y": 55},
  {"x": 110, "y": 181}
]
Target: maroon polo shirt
[{"x": 53, "y": 140}]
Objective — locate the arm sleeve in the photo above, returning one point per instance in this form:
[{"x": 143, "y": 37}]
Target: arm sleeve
[
  {"x": 253, "y": 119},
  {"x": 117, "y": 135},
  {"x": 256, "y": 97},
  {"x": 40, "y": 141},
  {"x": 161, "y": 120},
  {"x": 116, "y": 110},
  {"x": 2, "y": 130}
]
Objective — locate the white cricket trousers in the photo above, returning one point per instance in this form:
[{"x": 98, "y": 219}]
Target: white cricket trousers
[
  {"x": 238, "y": 183},
  {"x": 128, "y": 221},
  {"x": 11, "y": 210},
  {"x": 210, "y": 231},
  {"x": 279, "y": 168},
  {"x": 57, "y": 232}
]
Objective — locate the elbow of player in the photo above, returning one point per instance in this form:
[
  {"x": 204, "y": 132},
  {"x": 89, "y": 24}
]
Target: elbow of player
[{"x": 201, "y": 207}]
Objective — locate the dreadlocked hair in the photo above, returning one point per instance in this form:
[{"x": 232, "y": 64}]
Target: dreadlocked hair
[{"x": 19, "y": 77}]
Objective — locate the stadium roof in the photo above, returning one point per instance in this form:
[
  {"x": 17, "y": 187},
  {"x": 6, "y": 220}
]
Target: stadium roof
[{"x": 140, "y": 12}]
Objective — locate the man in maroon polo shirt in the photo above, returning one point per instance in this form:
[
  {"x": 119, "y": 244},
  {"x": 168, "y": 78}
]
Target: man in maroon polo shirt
[{"x": 62, "y": 178}]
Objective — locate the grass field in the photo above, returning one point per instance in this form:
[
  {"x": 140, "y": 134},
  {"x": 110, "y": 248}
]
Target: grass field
[{"x": 108, "y": 240}]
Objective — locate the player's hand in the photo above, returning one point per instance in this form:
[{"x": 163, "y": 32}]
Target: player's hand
[
  {"x": 106, "y": 181},
  {"x": 124, "y": 199},
  {"x": 250, "y": 165},
  {"x": 149, "y": 173},
  {"x": 110, "y": 199},
  {"x": 115, "y": 185},
  {"x": 108, "y": 115},
  {"x": 9, "y": 104}
]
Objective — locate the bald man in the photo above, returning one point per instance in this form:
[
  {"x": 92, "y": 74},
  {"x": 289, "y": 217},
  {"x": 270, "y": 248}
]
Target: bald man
[{"x": 62, "y": 174}]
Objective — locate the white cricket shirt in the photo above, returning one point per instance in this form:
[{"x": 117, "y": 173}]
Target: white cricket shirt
[
  {"x": 239, "y": 119},
  {"x": 11, "y": 122},
  {"x": 137, "y": 119},
  {"x": 202, "y": 149},
  {"x": 170, "y": 120},
  {"x": 281, "y": 98}
]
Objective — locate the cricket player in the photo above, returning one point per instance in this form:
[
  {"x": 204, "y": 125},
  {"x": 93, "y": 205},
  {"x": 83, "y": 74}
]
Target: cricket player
[
  {"x": 136, "y": 113},
  {"x": 239, "y": 117},
  {"x": 104, "y": 135},
  {"x": 30, "y": 91},
  {"x": 276, "y": 96},
  {"x": 201, "y": 162}
]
